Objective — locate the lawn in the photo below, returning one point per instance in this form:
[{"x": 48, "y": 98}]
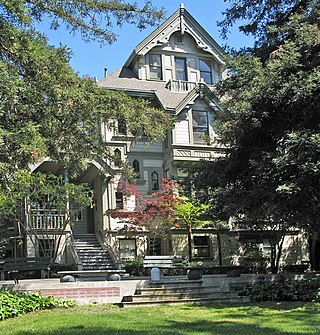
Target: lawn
[{"x": 254, "y": 319}]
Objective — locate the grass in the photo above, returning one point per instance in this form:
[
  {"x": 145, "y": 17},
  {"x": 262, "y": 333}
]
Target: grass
[{"x": 263, "y": 318}]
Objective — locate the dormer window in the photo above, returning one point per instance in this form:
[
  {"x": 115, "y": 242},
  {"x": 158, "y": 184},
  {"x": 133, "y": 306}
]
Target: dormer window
[
  {"x": 155, "y": 67},
  {"x": 205, "y": 71}
]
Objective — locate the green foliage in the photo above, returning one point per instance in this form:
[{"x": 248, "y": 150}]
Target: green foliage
[
  {"x": 270, "y": 176},
  {"x": 46, "y": 109},
  {"x": 190, "y": 212},
  {"x": 92, "y": 19},
  {"x": 262, "y": 18},
  {"x": 286, "y": 289},
  {"x": 13, "y": 303},
  {"x": 134, "y": 267}
]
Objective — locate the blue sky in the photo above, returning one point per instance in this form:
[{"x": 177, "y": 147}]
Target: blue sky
[{"x": 91, "y": 58}]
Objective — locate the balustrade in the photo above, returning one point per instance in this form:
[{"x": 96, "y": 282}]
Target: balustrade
[{"x": 47, "y": 219}]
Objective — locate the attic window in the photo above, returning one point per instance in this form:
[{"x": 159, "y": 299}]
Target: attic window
[
  {"x": 179, "y": 39},
  {"x": 155, "y": 67}
]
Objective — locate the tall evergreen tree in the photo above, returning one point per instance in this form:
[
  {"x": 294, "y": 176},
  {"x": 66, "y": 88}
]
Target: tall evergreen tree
[
  {"x": 46, "y": 109},
  {"x": 270, "y": 176}
]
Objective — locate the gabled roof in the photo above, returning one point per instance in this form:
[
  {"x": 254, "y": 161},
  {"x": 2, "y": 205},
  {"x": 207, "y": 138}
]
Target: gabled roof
[
  {"x": 202, "y": 91},
  {"x": 125, "y": 80},
  {"x": 183, "y": 22}
]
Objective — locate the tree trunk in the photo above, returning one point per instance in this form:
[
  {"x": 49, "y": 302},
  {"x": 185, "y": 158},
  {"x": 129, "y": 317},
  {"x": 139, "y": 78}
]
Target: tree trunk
[
  {"x": 219, "y": 247},
  {"x": 189, "y": 230}
]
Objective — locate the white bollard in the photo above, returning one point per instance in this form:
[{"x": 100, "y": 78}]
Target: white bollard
[{"x": 155, "y": 274}]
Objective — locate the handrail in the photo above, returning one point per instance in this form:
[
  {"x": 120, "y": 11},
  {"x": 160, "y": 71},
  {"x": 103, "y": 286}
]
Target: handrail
[
  {"x": 47, "y": 219},
  {"x": 71, "y": 243},
  {"x": 180, "y": 85},
  {"x": 109, "y": 249}
]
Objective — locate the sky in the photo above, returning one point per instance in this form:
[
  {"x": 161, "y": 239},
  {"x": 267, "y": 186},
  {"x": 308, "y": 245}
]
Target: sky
[{"x": 91, "y": 59}]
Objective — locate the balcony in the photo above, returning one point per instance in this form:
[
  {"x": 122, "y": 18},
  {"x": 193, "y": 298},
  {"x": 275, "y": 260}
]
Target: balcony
[
  {"x": 180, "y": 85},
  {"x": 47, "y": 219},
  {"x": 192, "y": 153}
]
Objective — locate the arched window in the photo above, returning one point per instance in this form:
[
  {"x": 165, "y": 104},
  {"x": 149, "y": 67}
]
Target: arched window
[
  {"x": 155, "y": 181},
  {"x": 117, "y": 157},
  {"x": 136, "y": 168}
]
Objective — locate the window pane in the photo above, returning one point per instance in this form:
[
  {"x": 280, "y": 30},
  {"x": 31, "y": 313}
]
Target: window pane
[
  {"x": 181, "y": 69},
  {"x": 119, "y": 200},
  {"x": 205, "y": 71},
  {"x": 155, "y": 67},
  {"x": 206, "y": 77},
  {"x": 155, "y": 72},
  {"x": 200, "y": 119},
  {"x": 155, "y": 60},
  {"x": 127, "y": 249},
  {"x": 201, "y": 246},
  {"x": 204, "y": 65},
  {"x": 155, "y": 181},
  {"x": 154, "y": 246},
  {"x": 136, "y": 168}
]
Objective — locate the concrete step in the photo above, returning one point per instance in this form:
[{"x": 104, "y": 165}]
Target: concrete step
[
  {"x": 199, "y": 301},
  {"x": 165, "y": 283},
  {"x": 171, "y": 290},
  {"x": 91, "y": 254},
  {"x": 178, "y": 296},
  {"x": 88, "y": 246}
]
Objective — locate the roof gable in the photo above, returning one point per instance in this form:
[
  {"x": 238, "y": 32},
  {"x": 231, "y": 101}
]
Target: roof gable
[
  {"x": 180, "y": 21},
  {"x": 203, "y": 92}
]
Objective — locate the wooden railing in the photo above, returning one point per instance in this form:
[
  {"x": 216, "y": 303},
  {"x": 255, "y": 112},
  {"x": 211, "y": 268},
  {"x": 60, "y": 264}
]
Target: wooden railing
[
  {"x": 180, "y": 85},
  {"x": 47, "y": 219}
]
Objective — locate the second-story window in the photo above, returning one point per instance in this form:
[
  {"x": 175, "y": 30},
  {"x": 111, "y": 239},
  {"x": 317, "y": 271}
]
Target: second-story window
[
  {"x": 155, "y": 67},
  {"x": 117, "y": 157},
  {"x": 205, "y": 71},
  {"x": 200, "y": 127},
  {"x": 181, "y": 69},
  {"x": 122, "y": 126},
  {"x": 154, "y": 181},
  {"x": 136, "y": 168}
]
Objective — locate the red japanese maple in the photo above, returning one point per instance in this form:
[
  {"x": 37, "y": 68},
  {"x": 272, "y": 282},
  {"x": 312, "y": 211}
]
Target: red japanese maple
[{"x": 156, "y": 209}]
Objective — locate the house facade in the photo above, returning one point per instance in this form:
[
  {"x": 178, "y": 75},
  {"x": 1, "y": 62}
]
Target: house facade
[{"x": 176, "y": 67}]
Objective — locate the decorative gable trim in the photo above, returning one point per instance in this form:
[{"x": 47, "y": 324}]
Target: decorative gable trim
[
  {"x": 200, "y": 91},
  {"x": 180, "y": 21}
]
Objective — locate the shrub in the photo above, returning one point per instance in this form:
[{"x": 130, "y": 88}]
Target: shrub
[
  {"x": 15, "y": 303},
  {"x": 135, "y": 267},
  {"x": 286, "y": 289},
  {"x": 56, "y": 267},
  {"x": 295, "y": 268}
]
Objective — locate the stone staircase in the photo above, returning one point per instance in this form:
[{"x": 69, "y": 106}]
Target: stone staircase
[
  {"x": 183, "y": 291},
  {"x": 91, "y": 254}
]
